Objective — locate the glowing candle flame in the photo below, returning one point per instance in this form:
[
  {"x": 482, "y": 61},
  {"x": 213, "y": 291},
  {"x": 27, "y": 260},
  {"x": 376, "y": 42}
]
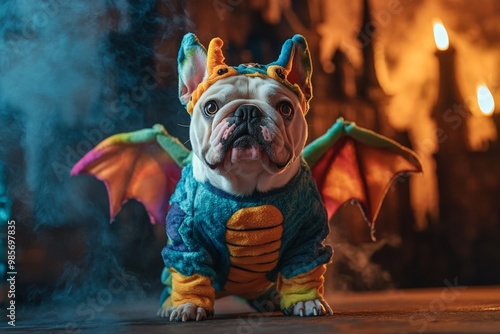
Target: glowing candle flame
[
  {"x": 485, "y": 100},
  {"x": 441, "y": 36}
]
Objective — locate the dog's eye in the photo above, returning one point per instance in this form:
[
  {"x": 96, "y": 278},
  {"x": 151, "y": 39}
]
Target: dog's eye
[
  {"x": 285, "y": 109},
  {"x": 211, "y": 108}
]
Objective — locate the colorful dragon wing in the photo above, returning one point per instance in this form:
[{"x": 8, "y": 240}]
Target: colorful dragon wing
[
  {"x": 144, "y": 165},
  {"x": 350, "y": 163}
]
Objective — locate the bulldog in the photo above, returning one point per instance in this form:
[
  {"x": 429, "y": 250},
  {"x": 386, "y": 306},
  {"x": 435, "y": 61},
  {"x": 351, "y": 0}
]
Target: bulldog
[
  {"x": 247, "y": 135},
  {"x": 246, "y": 218}
]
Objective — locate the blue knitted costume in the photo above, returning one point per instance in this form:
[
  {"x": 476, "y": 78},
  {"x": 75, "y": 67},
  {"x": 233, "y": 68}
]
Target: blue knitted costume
[{"x": 283, "y": 232}]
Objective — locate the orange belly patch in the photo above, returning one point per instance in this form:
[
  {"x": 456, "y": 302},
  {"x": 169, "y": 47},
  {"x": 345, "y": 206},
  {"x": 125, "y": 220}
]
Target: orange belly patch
[{"x": 253, "y": 237}]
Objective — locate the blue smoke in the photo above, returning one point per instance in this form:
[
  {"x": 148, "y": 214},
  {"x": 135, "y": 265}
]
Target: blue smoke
[{"x": 71, "y": 74}]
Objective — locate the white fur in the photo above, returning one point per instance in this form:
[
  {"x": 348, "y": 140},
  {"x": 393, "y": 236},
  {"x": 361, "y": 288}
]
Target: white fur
[{"x": 253, "y": 171}]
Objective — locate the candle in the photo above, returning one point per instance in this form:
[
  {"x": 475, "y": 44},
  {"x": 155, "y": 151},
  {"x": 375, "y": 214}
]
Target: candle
[
  {"x": 441, "y": 36},
  {"x": 482, "y": 128},
  {"x": 452, "y": 158},
  {"x": 450, "y": 111},
  {"x": 485, "y": 100},
  {"x": 448, "y": 89}
]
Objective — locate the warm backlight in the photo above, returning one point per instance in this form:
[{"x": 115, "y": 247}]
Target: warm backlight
[
  {"x": 440, "y": 36},
  {"x": 485, "y": 100}
]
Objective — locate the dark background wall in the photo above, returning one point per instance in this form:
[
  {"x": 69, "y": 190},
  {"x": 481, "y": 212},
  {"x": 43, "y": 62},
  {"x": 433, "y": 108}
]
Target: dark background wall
[{"x": 75, "y": 73}]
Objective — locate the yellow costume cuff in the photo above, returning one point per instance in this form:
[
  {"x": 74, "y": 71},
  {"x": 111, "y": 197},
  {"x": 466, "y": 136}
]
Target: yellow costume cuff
[
  {"x": 303, "y": 287},
  {"x": 194, "y": 289}
]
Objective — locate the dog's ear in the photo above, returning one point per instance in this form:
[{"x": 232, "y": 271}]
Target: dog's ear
[
  {"x": 192, "y": 62},
  {"x": 295, "y": 58}
]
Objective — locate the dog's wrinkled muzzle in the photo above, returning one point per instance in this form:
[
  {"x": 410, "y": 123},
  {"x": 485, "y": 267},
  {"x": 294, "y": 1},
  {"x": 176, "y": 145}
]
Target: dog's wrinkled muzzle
[
  {"x": 247, "y": 121},
  {"x": 247, "y": 134}
]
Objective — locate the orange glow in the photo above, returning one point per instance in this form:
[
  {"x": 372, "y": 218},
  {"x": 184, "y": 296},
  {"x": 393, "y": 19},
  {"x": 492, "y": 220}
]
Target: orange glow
[
  {"x": 485, "y": 100},
  {"x": 441, "y": 36}
]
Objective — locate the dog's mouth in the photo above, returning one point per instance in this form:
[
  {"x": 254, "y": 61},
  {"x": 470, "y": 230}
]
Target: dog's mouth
[
  {"x": 245, "y": 144},
  {"x": 245, "y": 147}
]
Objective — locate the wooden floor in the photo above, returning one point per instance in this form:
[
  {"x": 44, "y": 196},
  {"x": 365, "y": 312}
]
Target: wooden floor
[{"x": 450, "y": 309}]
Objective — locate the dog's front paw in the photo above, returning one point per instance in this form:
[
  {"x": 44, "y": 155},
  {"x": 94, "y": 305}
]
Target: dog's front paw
[
  {"x": 184, "y": 312},
  {"x": 311, "y": 308},
  {"x": 165, "y": 312}
]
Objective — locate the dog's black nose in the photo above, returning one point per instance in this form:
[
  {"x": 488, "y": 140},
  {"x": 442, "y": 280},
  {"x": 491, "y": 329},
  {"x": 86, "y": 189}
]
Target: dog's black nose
[{"x": 247, "y": 112}]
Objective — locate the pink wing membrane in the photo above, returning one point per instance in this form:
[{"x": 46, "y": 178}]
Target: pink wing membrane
[{"x": 133, "y": 166}]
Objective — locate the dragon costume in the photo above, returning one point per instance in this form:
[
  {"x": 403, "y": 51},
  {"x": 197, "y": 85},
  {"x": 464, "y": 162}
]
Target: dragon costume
[{"x": 221, "y": 244}]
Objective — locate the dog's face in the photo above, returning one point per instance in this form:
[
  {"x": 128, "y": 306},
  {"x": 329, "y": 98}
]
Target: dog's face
[
  {"x": 247, "y": 131},
  {"x": 248, "y": 122}
]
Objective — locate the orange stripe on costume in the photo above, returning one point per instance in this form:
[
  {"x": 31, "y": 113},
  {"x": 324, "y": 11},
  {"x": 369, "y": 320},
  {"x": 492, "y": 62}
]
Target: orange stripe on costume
[
  {"x": 257, "y": 267},
  {"x": 262, "y": 216},
  {"x": 253, "y": 237},
  {"x": 253, "y": 256}
]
